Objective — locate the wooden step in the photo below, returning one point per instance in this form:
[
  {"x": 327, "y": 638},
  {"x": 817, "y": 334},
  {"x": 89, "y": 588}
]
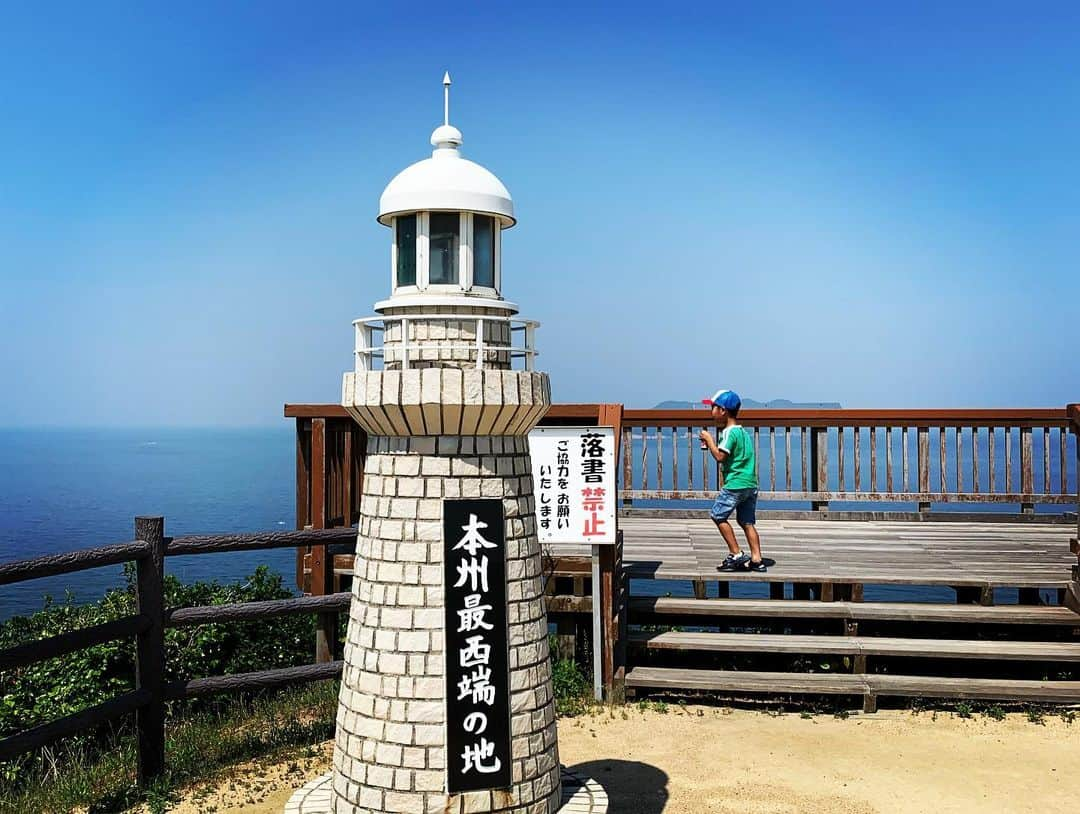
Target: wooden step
[
  {"x": 729, "y": 681},
  {"x": 858, "y": 646},
  {"x": 1072, "y": 596},
  {"x": 878, "y": 611},
  {"x": 989, "y": 573}
]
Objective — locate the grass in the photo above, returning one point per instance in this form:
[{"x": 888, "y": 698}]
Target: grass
[
  {"x": 994, "y": 712},
  {"x": 572, "y": 689},
  {"x": 99, "y": 776}
]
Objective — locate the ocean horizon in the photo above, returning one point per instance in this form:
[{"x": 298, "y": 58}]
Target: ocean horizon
[
  {"x": 66, "y": 489},
  {"x": 63, "y": 489}
]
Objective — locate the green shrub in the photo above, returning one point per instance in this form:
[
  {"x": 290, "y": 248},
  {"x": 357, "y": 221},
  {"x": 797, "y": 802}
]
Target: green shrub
[
  {"x": 42, "y": 692},
  {"x": 994, "y": 712},
  {"x": 571, "y": 688}
]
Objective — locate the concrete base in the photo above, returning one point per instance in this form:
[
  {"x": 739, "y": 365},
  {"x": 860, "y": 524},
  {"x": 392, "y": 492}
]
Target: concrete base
[{"x": 580, "y": 795}]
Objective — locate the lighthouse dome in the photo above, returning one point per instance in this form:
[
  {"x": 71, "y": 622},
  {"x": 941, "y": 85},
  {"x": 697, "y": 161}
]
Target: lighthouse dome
[{"x": 446, "y": 181}]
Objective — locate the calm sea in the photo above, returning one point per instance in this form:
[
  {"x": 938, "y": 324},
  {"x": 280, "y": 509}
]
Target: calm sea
[{"x": 66, "y": 489}]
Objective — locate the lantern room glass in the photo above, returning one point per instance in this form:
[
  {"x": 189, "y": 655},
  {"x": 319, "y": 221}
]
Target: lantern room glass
[
  {"x": 444, "y": 242},
  {"x": 406, "y": 250},
  {"x": 483, "y": 251}
]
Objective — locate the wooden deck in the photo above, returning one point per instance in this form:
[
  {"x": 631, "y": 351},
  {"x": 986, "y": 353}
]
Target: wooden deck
[
  {"x": 934, "y": 472},
  {"x": 979, "y": 555},
  {"x": 1031, "y": 641}
]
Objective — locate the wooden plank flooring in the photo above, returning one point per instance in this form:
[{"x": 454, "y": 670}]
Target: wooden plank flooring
[
  {"x": 849, "y": 684},
  {"x": 1020, "y": 555},
  {"x": 858, "y": 646},
  {"x": 655, "y": 608}
]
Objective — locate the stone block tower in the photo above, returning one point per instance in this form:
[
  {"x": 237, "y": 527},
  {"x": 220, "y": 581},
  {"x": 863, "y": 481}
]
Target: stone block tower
[{"x": 447, "y": 416}]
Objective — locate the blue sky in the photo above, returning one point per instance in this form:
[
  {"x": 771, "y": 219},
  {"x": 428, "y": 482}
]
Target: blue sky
[{"x": 847, "y": 202}]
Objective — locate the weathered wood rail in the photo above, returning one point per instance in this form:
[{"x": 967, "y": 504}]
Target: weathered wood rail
[
  {"x": 1012, "y": 465},
  {"x": 922, "y": 457},
  {"x": 828, "y": 457},
  {"x": 1072, "y": 593},
  {"x": 329, "y": 477},
  {"x": 147, "y": 625}
]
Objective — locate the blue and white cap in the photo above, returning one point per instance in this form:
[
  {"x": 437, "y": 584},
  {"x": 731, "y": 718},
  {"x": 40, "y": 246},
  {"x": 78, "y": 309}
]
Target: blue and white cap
[{"x": 728, "y": 399}]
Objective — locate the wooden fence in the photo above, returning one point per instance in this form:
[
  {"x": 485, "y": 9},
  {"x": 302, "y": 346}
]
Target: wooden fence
[
  {"x": 147, "y": 625},
  {"x": 329, "y": 477},
  {"x": 885, "y": 456},
  {"x": 920, "y": 457},
  {"x": 1019, "y": 457},
  {"x": 883, "y": 461}
]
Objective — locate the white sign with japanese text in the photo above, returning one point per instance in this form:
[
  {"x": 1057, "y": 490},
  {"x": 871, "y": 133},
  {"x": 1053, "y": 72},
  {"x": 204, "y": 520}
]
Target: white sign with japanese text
[{"x": 574, "y": 484}]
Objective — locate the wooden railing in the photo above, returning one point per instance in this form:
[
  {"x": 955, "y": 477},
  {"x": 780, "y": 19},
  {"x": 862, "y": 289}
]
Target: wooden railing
[
  {"x": 922, "y": 457},
  {"x": 330, "y": 449},
  {"x": 319, "y": 569},
  {"x": 148, "y": 551},
  {"x": 904, "y": 461},
  {"x": 1072, "y": 594}
]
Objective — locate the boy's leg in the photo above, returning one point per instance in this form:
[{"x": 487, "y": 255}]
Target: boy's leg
[
  {"x": 746, "y": 514},
  {"x": 728, "y": 533},
  {"x": 720, "y": 512},
  {"x": 750, "y": 530}
]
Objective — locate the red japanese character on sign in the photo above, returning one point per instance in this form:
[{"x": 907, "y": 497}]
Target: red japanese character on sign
[
  {"x": 592, "y": 500},
  {"x": 592, "y": 526}
]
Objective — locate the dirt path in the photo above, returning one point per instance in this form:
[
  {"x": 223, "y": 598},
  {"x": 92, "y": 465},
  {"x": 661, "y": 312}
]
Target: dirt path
[{"x": 707, "y": 759}]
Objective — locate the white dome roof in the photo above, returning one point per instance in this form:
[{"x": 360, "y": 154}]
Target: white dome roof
[{"x": 446, "y": 181}]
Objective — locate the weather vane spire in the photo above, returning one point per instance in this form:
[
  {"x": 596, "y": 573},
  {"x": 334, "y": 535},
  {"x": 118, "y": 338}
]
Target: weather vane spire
[{"x": 446, "y": 97}]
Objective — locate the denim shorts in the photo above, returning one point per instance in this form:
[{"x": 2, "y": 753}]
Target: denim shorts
[{"x": 741, "y": 501}]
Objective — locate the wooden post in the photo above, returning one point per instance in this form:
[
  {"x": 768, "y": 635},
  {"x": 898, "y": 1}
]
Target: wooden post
[
  {"x": 1027, "y": 469},
  {"x": 322, "y": 565},
  {"x": 819, "y": 471},
  {"x": 346, "y": 476},
  {"x": 303, "y": 496},
  {"x": 150, "y": 649},
  {"x": 611, "y": 608},
  {"x": 1072, "y": 593},
  {"x": 565, "y": 637},
  {"x": 923, "y": 436},
  {"x": 609, "y": 617},
  {"x": 626, "y": 443}
]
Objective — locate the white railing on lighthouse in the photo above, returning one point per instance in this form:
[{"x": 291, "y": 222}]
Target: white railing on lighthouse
[{"x": 407, "y": 349}]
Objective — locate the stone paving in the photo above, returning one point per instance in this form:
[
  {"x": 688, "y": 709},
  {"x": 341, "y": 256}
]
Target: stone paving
[{"x": 580, "y": 795}]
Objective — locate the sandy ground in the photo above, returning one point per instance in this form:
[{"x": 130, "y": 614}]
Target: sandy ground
[{"x": 709, "y": 759}]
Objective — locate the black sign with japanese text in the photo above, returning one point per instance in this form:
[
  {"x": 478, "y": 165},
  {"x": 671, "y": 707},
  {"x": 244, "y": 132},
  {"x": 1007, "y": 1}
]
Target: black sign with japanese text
[{"x": 477, "y": 673}]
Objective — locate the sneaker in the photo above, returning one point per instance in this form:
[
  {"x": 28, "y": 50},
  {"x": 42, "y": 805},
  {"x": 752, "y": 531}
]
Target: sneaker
[
  {"x": 734, "y": 562},
  {"x": 759, "y": 566}
]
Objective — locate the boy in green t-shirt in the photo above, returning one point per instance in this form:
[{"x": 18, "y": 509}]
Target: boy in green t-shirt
[{"x": 739, "y": 489}]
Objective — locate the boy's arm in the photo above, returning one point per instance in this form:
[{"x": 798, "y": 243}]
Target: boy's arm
[{"x": 714, "y": 450}]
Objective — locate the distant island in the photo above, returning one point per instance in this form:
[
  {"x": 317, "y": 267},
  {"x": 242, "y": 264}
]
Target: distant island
[{"x": 774, "y": 404}]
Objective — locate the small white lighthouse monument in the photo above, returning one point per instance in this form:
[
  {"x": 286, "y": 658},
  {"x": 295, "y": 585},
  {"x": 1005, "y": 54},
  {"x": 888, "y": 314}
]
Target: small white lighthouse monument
[{"x": 446, "y": 704}]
